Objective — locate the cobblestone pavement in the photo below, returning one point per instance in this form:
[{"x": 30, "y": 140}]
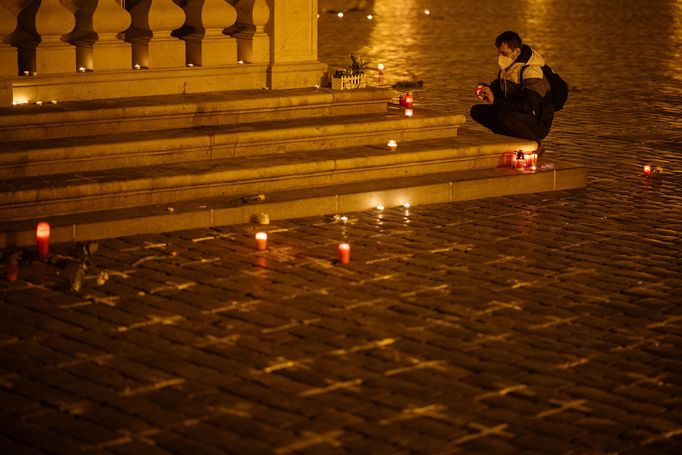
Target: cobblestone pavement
[{"x": 547, "y": 323}]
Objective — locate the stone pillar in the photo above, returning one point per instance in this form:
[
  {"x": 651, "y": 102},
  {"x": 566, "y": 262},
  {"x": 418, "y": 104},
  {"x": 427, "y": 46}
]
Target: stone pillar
[
  {"x": 206, "y": 45},
  {"x": 294, "y": 31},
  {"x": 9, "y": 62},
  {"x": 293, "y": 47},
  {"x": 253, "y": 43},
  {"x": 150, "y": 34},
  {"x": 109, "y": 21},
  {"x": 53, "y": 20}
]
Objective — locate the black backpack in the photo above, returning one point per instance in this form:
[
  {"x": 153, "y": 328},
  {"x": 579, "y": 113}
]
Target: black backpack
[{"x": 558, "y": 92}]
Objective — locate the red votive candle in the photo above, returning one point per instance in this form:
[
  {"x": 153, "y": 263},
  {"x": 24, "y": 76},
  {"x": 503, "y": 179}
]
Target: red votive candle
[
  {"x": 520, "y": 162},
  {"x": 344, "y": 253},
  {"x": 409, "y": 100},
  {"x": 261, "y": 241},
  {"x": 409, "y": 112},
  {"x": 533, "y": 161},
  {"x": 647, "y": 169},
  {"x": 12, "y": 271},
  {"x": 43, "y": 238}
]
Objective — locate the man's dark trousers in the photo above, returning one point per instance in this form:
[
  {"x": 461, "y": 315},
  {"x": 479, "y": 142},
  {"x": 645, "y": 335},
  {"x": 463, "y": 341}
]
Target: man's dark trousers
[{"x": 509, "y": 123}]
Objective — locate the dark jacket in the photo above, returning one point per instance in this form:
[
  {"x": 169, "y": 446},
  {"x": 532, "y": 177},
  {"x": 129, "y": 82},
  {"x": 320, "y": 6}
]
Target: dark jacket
[{"x": 528, "y": 96}]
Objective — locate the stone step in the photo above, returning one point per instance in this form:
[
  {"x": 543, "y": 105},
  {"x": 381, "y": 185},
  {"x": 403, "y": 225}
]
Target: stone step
[
  {"x": 129, "y": 187},
  {"x": 121, "y": 150},
  {"x": 327, "y": 200},
  {"x": 173, "y": 112}
]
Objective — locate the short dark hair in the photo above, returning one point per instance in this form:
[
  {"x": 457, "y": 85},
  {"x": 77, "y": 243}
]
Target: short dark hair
[{"x": 512, "y": 39}]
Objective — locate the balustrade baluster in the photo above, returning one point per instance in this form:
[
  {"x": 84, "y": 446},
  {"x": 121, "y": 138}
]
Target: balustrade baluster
[
  {"x": 9, "y": 65},
  {"x": 150, "y": 34},
  {"x": 206, "y": 44},
  {"x": 53, "y": 21},
  {"x": 109, "y": 21},
  {"x": 253, "y": 43}
]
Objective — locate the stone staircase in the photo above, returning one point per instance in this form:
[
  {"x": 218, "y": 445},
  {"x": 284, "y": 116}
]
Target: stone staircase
[{"x": 109, "y": 168}]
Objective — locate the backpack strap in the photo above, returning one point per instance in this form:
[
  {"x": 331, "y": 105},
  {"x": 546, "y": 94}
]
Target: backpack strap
[{"x": 521, "y": 75}]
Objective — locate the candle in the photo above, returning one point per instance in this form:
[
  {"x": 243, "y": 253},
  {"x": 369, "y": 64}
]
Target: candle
[
  {"x": 402, "y": 99},
  {"x": 12, "y": 271},
  {"x": 344, "y": 253},
  {"x": 647, "y": 169},
  {"x": 392, "y": 145},
  {"x": 409, "y": 112},
  {"x": 81, "y": 69},
  {"x": 533, "y": 161},
  {"x": 136, "y": 66},
  {"x": 43, "y": 238},
  {"x": 520, "y": 162},
  {"x": 526, "y": 156},
  {"x": 262, "y": 241},
  {"x": 409, "y": 99},
  {"x": 380, "y": 67}
]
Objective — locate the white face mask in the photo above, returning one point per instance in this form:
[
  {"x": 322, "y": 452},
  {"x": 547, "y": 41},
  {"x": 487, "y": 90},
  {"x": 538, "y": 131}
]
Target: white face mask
[{"x": 504, "y": 61}]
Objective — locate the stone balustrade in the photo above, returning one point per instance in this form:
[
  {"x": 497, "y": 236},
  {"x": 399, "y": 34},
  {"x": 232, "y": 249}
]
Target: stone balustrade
[
  {"x": 66, "y": 36},
  {"x": 99, "y": 49}
]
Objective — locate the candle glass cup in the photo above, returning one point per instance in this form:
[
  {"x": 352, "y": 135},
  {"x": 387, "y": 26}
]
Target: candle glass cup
[
  {"x": 344, "y": 253},
  {"x": 261, "y": 241}
]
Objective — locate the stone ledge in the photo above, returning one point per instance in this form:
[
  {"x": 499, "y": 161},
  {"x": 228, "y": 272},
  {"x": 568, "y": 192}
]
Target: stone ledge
[
  {"x": 34, "y": 158},
  {"x": 149, "y": 113},
  {"x": 119, "y": 188},
  {"x": 146, "y": 82},
  {"x": 435, "y": 188}
]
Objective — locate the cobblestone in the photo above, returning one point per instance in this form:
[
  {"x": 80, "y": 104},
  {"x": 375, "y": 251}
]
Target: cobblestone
[{"x": 546, "y": 323}]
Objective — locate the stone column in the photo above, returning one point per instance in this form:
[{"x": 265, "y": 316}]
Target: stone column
[
  {"x": 293, "y": 47},
  {"x": 294, "y": 31},
  {"x": 206, "y": 44},
  {"x": 253, "y": 43},
  {"x": 109, "y": 21},
  {"x": 150, "y": 34},
  {"x": 53, "y": 20},
  {"x": 9, "y": 63}
]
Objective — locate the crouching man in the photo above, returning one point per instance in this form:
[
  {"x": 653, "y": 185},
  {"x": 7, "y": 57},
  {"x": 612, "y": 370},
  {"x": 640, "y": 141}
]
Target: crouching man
[{"x": 518, "y": 101}]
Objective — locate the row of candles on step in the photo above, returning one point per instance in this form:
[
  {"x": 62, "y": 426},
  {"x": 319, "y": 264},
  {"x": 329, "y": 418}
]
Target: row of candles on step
[{"x": 524, "y": 160}]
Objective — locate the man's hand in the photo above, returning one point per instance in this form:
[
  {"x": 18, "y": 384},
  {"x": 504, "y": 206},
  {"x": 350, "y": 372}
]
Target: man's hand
[{"x": 487, "y": 95}]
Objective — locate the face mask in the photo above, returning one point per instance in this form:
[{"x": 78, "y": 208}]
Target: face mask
[{"x": 504, "y": 61}]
